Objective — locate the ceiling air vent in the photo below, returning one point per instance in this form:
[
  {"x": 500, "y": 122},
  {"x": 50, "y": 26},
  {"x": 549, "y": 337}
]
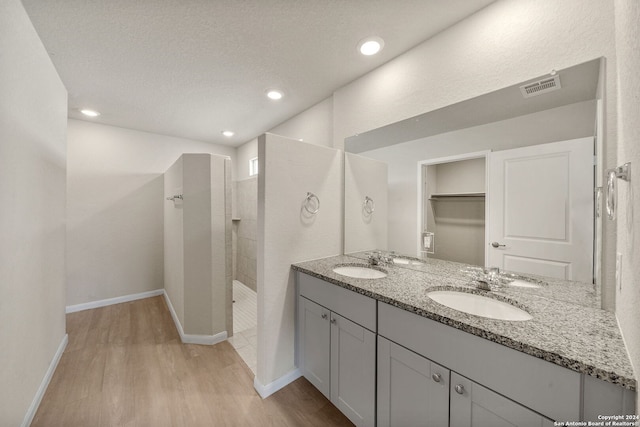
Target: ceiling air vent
[{"x": 541, "y": 86}]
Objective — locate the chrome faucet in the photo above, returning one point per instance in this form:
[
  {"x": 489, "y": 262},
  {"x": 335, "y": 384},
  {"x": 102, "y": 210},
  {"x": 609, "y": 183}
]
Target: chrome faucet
[
  {"x": 488, "y": 278},
  {"x": 377, "y": 258}
]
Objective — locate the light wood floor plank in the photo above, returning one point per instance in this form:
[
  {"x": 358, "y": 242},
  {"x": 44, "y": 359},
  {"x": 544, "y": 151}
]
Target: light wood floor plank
[{"x": 125, "y": 366}]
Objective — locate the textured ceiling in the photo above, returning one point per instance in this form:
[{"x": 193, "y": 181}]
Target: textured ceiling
[{"x": 193, "y": 68}]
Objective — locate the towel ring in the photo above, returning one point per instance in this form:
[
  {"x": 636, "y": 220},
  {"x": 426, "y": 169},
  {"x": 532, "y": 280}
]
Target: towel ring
[
  {"x": 622, "y": 172},
  {"x": 369, "y": 205},
  {"x": 309, "y": 201}
]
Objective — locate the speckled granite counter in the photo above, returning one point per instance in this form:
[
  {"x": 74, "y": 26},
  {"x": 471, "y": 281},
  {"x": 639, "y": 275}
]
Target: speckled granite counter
[
  {"x": 564, "y": 290},
  {"x": 578, "y": 336}
]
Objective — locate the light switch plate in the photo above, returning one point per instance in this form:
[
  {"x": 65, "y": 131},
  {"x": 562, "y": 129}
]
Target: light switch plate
[{"x": 428, "y": 242}]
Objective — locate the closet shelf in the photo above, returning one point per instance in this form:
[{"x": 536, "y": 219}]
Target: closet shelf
[{"x": 441, "y": 196}]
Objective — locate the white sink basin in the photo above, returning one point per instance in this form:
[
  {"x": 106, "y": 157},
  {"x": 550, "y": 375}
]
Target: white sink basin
[
  {"x": 359, "y": 272},
  {"x": 479, "y": 305}
]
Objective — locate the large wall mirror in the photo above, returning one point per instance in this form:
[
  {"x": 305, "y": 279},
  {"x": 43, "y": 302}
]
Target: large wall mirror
[{"x": 507, "y": 179}]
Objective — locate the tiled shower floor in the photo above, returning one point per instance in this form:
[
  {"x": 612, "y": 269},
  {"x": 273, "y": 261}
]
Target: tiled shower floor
[{"x": 244, "y": 338}]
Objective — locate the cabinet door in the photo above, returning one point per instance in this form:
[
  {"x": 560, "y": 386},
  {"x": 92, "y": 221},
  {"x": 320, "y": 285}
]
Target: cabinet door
[
  {"x": 412, "y": 390},
  {"x": 353, "y": 370},
  {"x": 315, "y": 341},
  {"x": 477, "y": 406}
]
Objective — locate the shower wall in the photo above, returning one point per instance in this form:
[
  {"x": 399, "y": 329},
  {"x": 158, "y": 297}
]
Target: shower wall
[
  {"x": 245, "y": 228},
  {"x": 197, "y": 246}
]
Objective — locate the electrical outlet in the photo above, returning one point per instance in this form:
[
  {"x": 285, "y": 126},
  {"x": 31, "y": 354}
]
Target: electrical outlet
[{"x": 619, "y": 271}]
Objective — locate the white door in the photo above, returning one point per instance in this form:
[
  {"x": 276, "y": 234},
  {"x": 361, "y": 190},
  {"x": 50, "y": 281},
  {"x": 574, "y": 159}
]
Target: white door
[{"x": 541, "y": 209}]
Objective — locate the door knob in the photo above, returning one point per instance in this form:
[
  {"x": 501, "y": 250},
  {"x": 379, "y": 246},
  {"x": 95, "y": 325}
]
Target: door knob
[
  {"x": 459, "y": 388},
  {"x": 333, "y": 320},
  {"x": 497, "y": 245},
  {"x": 436, "y": 377},
  {"x": 324, "y": 315}
]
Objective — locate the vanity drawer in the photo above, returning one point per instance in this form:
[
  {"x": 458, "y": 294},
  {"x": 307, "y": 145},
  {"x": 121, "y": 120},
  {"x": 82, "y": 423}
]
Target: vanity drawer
[
  {"x": 355, "y": 307},
  {"x": 548, "y": 389}
]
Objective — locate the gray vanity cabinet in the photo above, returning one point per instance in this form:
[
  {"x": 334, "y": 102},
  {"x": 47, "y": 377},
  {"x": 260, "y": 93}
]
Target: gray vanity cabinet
[
  {"x": 429, "y": 373},
  {"x": 473, "y": 405},
  {"x": 525, "y": 381},
  {"x": 337, "y": 346},
  {"x": 412, "y": 390},
  {"x": 315, "y": 351}
]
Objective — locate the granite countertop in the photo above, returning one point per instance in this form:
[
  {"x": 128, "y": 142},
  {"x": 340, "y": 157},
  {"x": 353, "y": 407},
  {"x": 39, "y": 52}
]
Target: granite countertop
[{"x": 568, "y": 327}]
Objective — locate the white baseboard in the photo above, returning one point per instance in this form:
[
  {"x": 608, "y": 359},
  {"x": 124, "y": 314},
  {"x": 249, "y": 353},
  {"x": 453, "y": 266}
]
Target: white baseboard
[
  {"x": 33, "y": 408},
  {"x": 267, "y": 390},
  {"x": 189, "y": 338},
  {"x": 111, "y": 301}
]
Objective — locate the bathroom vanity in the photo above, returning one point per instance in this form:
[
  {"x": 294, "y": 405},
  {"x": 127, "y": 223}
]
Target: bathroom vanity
[{"x": 387, "y": 354}]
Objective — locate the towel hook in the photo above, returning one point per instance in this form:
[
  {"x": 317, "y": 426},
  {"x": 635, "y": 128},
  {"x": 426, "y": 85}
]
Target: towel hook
[
  {"x": 369, "y": 205},
  {"x": 309, "y": 201}
]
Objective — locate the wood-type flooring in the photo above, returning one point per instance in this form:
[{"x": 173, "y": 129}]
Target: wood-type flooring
[{"x": 125, "y": 365}]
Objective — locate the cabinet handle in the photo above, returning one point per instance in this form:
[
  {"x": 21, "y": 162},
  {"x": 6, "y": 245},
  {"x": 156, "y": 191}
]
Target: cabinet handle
[
  {"x": 459, "y": 388},
  {"x": 436, "y": 377},
  {"x": 324, "y": 315},
  {"x": 333, "y": 320}
]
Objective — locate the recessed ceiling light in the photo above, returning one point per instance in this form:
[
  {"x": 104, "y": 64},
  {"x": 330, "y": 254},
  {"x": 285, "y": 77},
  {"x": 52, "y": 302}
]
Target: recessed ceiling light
[
  {"x": 274, "y": 94},
  {"x": 228, "y": 133},
  {"x": 370, "y": 46},
  {"x": 89, "y": 113}
]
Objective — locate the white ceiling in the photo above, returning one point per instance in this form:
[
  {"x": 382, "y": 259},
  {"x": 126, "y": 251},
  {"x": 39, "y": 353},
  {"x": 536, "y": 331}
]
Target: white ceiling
[{"x": 193, "y": 68}]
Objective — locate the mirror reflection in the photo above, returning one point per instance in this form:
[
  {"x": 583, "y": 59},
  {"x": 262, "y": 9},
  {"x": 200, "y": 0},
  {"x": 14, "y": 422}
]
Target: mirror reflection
[{"x": 502, "y": 180}]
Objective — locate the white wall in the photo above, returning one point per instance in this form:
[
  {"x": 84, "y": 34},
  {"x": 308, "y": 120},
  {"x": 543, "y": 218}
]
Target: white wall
[
  {"x": 288, "y": 234},
  {"x": 628, "y": 223},
  {"x": 567, "y": 122},
  {"x": 247, "y": 232},
  {"x": 314, "y": 125},
  {"x": 33, "y": 111},
  {"x": 245, "y": 152},
  {"x": 365, "y": 177},
  {"x": 115, "y": 208},
  {"x": 174, "y": 239},
  {"x": 507, "y": 42}
]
